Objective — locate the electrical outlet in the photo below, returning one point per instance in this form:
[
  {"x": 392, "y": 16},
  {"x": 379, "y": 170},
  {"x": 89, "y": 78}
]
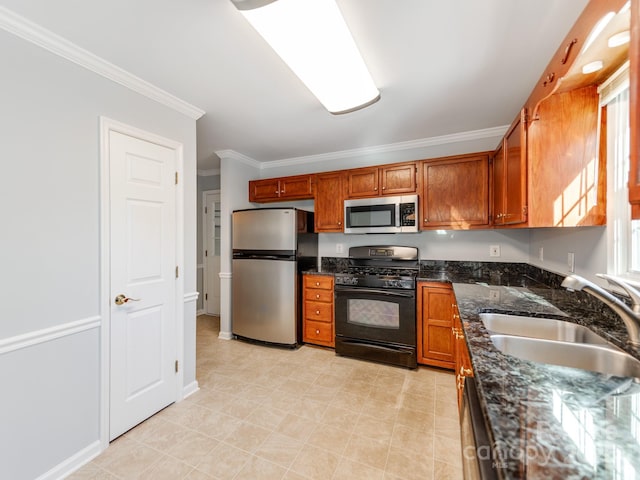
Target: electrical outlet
[
  {"x": 541, "y": 254},
  {"x": 494, "y": 250},
  {"x": 571, "y": 262},
  {"x": 339, "y": 247}
]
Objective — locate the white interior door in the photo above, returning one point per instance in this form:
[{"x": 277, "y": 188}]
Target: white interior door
[
  {"x": 143, "y": 270},
  {"x": 212, "y": 253}
]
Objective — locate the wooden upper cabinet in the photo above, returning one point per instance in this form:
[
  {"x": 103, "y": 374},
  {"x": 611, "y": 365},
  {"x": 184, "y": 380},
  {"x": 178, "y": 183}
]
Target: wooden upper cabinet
[
  {"x": 264, "y": 190},
  {"x": 298, "y": 187},
  {"x": 395, "y": 179},
  {"x": 329, "y": 202},
  {"x": 568, "y": 172},
  {"x": 398, "y": 179},
  {"x": 455, "y": 192},
  {"x": 363, "y": 182},
  {"x": 509, "y": 199},
  {"x": 634, "y": 110}
]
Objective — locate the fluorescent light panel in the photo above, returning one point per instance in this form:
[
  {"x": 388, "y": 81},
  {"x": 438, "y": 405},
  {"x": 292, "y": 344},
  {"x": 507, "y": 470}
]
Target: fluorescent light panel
[{"x": 312, "y": 38}]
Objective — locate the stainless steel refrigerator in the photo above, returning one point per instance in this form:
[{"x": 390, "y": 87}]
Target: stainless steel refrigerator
[{"x": 271, "y": 247}]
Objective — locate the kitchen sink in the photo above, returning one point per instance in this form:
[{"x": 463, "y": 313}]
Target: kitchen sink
[
  {"x": 543, "y": 328},
  {"x": 596, "y": 358}
]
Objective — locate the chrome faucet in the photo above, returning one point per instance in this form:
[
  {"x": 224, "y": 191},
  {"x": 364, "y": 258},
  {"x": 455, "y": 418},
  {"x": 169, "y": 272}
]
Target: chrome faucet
[{"x": 630, "y": 316}]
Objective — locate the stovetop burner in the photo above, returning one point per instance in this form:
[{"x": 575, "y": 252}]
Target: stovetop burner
[{"x": 381, "y": 267}]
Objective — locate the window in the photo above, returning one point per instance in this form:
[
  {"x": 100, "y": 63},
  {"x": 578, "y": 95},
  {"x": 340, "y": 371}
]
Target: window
[{"x": 623, "y": 233}]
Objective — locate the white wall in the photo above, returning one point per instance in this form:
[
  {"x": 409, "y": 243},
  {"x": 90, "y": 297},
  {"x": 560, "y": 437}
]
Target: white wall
[
  {"x": 451, "y": 245},
  {"x": 589, "y": 244},
  {"x": 50, "y": 255},
  {"x": 234, "y": 195}
]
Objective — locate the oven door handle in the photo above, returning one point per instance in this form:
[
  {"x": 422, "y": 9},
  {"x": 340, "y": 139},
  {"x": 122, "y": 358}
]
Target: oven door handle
[
  {"x": 377, "y": 292},
  {"x": 405, "y": 350}
]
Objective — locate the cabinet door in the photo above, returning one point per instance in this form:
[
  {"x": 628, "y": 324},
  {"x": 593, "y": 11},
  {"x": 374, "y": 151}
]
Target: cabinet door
[
  {"x": 298, "y": 187},
  {"x": 435, "y": 322},
  {"x": 510, "y": 176},
  {"x": 363, "y": 182},
  {"x": 329, "y": 202},
  {"x": 569, "y": 175},
  {"x": 264, "y": 190},
  {"x": 456, "y": 192},
  {"x": 399, "y": 179},
  {"x": 515, "y": 183},
  {"x": 497, "y": 195}
]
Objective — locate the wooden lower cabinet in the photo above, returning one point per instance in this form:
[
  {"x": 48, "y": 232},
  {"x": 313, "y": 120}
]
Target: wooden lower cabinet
[
  {"x": 317, "y": 310},
  {"x": 462, "y": 358},
  {"x": 435, "y": 307}
]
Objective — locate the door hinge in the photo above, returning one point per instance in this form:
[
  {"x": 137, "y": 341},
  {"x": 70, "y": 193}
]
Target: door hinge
[
  {"x": 176, "y": 271},
  {"x": 176, "y": 366},
  {"x": 176, "y": 178},
  {"x": 206, "y": 296},
  {"x": 206, "y": 253},
  {"x": 206, "y": 210}
]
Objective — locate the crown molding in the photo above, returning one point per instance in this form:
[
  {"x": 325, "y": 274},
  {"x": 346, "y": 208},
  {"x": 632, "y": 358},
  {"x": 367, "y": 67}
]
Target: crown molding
[
  {"x": 238, "y": 157},
  {"x": 209, "y": 173},
  {"x": 391, "y": 147},
  {"x": 38, "y": 35}
]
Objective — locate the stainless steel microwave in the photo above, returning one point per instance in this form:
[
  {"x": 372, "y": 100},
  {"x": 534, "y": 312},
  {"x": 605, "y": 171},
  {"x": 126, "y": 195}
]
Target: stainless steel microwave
[{"x": 381, "y": 215}]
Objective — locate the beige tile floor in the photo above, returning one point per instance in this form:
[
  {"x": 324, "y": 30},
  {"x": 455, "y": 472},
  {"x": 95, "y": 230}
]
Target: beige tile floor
[{"x": 267, "y": 413}]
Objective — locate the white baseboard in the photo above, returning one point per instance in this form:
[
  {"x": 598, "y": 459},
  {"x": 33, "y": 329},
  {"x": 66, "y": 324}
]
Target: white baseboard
[
  {"x": 190, "y": 389},
  {"x": 200, "y": 312},
  {"x": 225, "y": 336},
  {"x": 73, "y": 463}
]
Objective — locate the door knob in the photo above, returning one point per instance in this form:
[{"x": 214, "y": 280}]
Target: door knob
[{"x": 122, "y": 299}]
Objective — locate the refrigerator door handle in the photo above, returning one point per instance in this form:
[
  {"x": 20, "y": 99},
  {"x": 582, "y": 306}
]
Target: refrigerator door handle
[{"x": 263, "y": 257}]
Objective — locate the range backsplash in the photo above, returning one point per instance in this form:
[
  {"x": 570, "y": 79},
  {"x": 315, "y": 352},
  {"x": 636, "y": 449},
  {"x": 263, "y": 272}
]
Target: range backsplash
[{"x": 496, "y": 273}]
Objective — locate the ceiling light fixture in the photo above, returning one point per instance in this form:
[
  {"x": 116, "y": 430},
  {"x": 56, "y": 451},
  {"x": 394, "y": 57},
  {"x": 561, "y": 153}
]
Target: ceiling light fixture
[
  {"x": 592, "y": 67},
  {"x": 312, "y": 38},
  {"x": 618, "y": 39}
]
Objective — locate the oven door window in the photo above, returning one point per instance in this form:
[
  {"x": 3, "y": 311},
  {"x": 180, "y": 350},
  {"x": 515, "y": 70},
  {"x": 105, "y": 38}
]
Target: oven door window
[
  {"x": 373, "y": 313},
  {"x": 371, "y": 216}
]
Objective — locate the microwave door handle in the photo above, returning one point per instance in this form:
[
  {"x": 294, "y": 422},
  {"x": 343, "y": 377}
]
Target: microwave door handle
[{"x": 397, "y": 222}]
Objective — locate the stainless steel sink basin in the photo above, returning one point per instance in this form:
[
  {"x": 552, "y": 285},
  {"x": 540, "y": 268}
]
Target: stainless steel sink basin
[
  {"x": 545, "y": 328},
  {"x": 596, "y": 358}
]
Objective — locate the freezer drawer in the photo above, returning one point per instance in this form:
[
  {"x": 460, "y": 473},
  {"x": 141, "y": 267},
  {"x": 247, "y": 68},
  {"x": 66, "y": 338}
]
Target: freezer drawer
[{"x": 265, "y": 305}]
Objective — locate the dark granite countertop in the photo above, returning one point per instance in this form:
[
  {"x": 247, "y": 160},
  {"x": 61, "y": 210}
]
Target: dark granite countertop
[
  {"x": 547, "y": 421},
  {"x": 544, "y": 421}
]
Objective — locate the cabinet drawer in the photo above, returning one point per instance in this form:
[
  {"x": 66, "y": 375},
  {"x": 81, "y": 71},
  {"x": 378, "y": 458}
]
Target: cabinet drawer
[
  {"x": 324, "y": 282},
  {"x": 321, "y": 312},
  {"x": 317, "y": 295},
  {"x": 318, "y": 331}
]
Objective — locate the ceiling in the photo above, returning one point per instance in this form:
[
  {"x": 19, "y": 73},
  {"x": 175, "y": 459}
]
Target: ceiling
[{"x": 442, "y": 67}]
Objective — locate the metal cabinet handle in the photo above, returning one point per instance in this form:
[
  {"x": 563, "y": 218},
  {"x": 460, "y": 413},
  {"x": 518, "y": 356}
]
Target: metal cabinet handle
[
  {"x": 317, "y": 295},
  {"x": 317, "y": 312},
  {"x": 317, "y": 332},
  {"x": 122, "y": 299}
]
